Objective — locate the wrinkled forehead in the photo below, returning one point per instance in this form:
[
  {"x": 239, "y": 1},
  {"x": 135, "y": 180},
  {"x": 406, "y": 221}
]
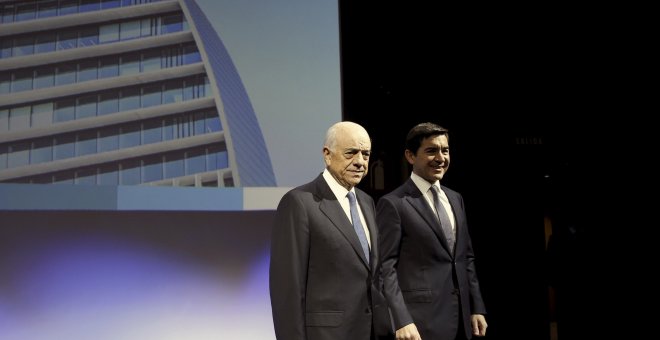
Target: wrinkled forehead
[{"x": 358, "y": 140}]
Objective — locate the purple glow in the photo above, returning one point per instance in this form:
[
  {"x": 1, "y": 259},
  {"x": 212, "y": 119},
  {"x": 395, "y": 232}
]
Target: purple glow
[{"x": 133, "y": 283}]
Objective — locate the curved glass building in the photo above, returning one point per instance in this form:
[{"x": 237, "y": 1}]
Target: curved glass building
[{"x": 123, "y": 92}]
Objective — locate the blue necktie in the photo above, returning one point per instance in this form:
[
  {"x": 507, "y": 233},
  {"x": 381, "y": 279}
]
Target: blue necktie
[
  {"x": 357, "y": 224},
  {"x": 444, "y": 219}
]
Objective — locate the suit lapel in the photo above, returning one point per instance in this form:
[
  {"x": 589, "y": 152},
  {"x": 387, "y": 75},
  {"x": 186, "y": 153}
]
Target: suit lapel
[
  {"x": 458, "y": 213},
  {"x": 418, "y": 201},
  {"x": 332, "y": 209}
]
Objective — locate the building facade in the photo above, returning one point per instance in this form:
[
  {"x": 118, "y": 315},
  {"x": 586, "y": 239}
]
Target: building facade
[{"x": 123, "y": 92}]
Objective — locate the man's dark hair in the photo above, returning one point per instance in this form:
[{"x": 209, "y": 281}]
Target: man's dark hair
[{"x": 422, "y": 131}]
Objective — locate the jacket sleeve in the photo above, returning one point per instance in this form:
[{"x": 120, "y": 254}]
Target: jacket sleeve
[
  {"x": 389, "y": 227},
  {"x": 288, "y": 268},
  {"x": 476, "y": 302}
]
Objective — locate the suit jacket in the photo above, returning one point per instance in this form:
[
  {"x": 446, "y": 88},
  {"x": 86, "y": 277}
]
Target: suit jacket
[
  {"x": 423, "y": 282},
  {"x": 321, "y": 286}
]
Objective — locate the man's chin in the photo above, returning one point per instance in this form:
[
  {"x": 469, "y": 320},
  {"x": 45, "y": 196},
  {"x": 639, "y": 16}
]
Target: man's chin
[{"x": 355, "y": 181}]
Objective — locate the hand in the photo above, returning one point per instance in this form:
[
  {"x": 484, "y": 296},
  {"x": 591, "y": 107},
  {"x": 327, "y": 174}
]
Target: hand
[
  {"x": 479, "y": 325},
  {"x": 408, "y": 332}
]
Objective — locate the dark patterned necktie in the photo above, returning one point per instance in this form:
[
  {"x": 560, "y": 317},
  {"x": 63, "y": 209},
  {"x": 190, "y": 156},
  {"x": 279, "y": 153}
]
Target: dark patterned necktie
[
  {"x": 357, "y": 225},
  {"x": 444, "y": 218}
]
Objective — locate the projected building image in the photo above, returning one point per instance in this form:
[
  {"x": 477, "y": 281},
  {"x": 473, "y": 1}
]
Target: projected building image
[{"x": 123, "y": 93}]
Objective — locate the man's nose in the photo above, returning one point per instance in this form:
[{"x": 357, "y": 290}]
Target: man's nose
[{"x": 360, "y": 159}]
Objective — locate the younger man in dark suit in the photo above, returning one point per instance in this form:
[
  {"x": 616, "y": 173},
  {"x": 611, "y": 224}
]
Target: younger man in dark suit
[{"x": 428, "y": 264}]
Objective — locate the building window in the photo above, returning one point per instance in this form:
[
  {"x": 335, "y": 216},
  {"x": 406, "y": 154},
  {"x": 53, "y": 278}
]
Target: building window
[
  {"x": 66, "y": 74},
  {"x": 108, "y": 33},
  {"x": 19, "y": 118},
  {"x": 89, "y": 5},
  {"x": 42, "y": 114},
  {"x": 64, "y": 147},
  {"x": 68, "y": 7},
  {"x": 44, "y": 77},
  {"x": 129, "y": 30},
  {"x": 86, "y": 107},
  {"x": 5, "y": 82},
  {"x": 151, "y": 96},
  {"x": 86, "y": 177},
  {"x": 213, "y": 122},
  {"x": 108, "y": 139},
  {"x": 198, "y": 123},
  {"x": 22, "y": 81},
  {"x": 151, "y": 61},
  {"x": 108, "y": 175},
  {"x": 87, "y": 70},
  {"x": 173, "y": 92},
  {"x": 195, "y": 161},
  {"x": 64, "y": 110},
  {"x": 130, "y": 99},
  {"x": 215, "y": 159},
  {"x": 171, "y": 24},
  {"x": 152, "y": 131},
  {"x": 86, "y": 143},
  {"x": 3, "y": 156},
  {"x": 4, "y": 120},
  {"x": 47, "y": 9},
  {"x": 63, "y": 178},
  {"x": 191, "y": 55},
  {"x": 152, "y": 169},
  {"x": 42, "y": 151},
  {"x": 26, "y": 12},
  {"x": 109, "y": 67},
  {"x": 46, "y": 42},
  {"x": 174, "y": 166},
  {"x": 5, "y": 48},
  {"x": 67, "y": 40},
  {"x": 130, "y": 136},
  {"x": 88, "y": 37},
  {"x": 108, "y": 103},
  {"x": 7, "y": 14},
  {"x": 147, "y": 27},
  {"x": 130, "y": 64},
  {"x": 23, "y": 46},
  {"x": 130, "y": 172},
  {"x": 19, "y": 155},
  {"x": 105, "y": 4}
]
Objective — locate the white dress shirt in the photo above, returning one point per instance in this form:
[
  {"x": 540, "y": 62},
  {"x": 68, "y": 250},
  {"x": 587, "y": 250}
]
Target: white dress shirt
[
  {"x": 425, "y": 187},
  {"x": 342, "y": 196}
]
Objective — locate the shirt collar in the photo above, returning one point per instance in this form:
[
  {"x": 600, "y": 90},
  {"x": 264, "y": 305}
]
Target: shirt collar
[{"x": 422, "y": 184}]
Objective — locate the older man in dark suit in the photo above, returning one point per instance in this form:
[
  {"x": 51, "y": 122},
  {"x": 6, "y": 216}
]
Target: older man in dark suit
[
  {"x": 324, "y": 266},
  {"x": 428, "y": 263}
]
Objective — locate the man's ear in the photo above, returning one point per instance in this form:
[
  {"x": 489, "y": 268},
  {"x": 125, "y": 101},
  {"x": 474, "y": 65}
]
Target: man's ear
[
  {"x": 410, "y": 156},
  {"x": 326, "y": 154}
]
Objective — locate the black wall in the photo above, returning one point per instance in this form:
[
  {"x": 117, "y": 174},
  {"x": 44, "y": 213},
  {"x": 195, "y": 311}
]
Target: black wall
[{"x": 512, "y": 88}]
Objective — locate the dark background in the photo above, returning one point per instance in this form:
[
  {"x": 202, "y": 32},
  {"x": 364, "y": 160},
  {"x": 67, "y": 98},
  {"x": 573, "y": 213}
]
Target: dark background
[{"x": 521, "y": 90}]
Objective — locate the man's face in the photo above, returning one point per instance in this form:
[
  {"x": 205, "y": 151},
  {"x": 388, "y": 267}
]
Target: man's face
[
  {"x": 432, "y": 158},
  {"x": 348, "y": 161}
]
